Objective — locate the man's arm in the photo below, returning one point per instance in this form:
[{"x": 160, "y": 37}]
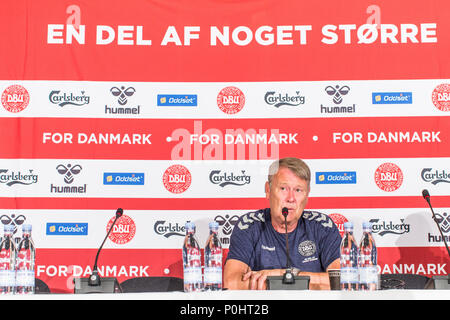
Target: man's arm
[
  {"x": 320, "y": 280},
  {"x": 238, "y": 276},
  {"x": 233, "y": 273}
]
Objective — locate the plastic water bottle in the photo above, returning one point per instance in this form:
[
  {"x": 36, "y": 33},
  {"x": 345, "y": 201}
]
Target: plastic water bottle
[
  {"x": 7, "y": 261},
  {"x": 25, "y": 262},
  {"x": 367, "y": 260},
  {"x": 213, "y": 260},
  {"x": 192, "y": 265},
  {"x": 349, "y": 259}
]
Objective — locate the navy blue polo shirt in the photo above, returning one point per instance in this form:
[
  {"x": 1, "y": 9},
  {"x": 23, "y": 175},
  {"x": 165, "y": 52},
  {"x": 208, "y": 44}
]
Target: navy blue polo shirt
[{"x": 313, "y": 245}]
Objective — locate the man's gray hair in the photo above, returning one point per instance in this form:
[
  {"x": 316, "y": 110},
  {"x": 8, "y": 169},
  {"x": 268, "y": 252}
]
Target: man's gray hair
[{"x": 297, "y": 166}]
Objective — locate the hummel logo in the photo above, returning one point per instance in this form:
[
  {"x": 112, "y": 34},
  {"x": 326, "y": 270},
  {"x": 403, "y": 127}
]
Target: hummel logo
[{"x": 123, "y": 94}]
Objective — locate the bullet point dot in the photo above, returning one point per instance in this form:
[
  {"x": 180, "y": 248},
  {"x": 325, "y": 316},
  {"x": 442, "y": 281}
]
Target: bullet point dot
[
  {"x": 169, "y": 139},
  {"x": 315, "y": 138}
]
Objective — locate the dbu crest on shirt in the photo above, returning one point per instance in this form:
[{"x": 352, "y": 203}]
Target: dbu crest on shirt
[{"x": 307, "y": 248}]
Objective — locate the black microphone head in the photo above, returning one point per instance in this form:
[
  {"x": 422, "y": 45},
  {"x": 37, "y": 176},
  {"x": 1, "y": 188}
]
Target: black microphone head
[
  {"x": 425, "y": 194},
  {"x": 284, "y": 211},
  {"x": 119, "y": 212}
]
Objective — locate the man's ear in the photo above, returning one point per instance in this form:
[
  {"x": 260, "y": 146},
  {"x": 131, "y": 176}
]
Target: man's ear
[{"x": 267, "y": 189}]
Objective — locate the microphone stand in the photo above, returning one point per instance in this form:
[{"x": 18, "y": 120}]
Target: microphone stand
[
  {"x": 288, "y": 281},
  {"x": 426, "y": 196},
  {"x": 93, "y": 284},
  {"x": 288, "y": 277},
  {"x": 94, "y": 278}
]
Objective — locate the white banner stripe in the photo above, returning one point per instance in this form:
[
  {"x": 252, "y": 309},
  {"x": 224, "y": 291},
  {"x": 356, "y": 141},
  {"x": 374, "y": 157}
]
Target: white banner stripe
[{"x": 191, "y": 100}]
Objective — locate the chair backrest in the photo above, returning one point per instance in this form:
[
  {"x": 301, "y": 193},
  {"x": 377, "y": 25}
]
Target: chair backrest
[
  {"x": 411, "y": 281},
  {"x": 152, "y": 284},
  {"x": 41, "y": 287}
]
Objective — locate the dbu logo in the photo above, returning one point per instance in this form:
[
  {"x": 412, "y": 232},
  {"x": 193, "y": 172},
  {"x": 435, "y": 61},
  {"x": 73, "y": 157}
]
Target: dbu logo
[
  {"x": 177, "y": 178},
  {"x": 121, "y": 228},
  {"x": 389, "y": 176}
]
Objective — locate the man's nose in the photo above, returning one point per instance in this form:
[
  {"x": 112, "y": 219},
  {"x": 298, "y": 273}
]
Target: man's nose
[{"x": 290, "y": 196}]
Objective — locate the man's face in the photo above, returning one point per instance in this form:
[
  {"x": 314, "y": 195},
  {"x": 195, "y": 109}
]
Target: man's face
[{"x": 287, "y": 190}]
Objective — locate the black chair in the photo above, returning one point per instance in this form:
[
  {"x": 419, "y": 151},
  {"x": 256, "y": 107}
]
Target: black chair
[
  {"x": 40, "y": 287},
  {"x": 403, "y": 281},
  {"x": 152, "y": 284}
]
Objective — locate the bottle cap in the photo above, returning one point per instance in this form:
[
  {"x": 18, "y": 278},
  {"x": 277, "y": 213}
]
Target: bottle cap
[
  {"x": 189, "y": 225},
  {"x": 8, "y": 228},
  {"x": 367, "y": 225},
  {"x": 214, "y": 225},
  {"x": 348, "y": 225}
]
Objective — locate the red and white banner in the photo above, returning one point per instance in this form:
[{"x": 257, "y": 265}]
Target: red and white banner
[{"x": 174, "y": 111}]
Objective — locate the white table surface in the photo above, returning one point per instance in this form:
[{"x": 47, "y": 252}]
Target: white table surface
[{"x": 250, "y": 295}]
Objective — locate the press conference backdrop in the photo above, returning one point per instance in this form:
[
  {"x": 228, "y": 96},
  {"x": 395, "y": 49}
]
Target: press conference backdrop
[{"x": 173, "y": 110}]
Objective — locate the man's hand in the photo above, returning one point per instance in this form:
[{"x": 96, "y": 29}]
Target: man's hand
[
  {"x": 238, "y": 276},
  {"x": 257, "y": 279}
]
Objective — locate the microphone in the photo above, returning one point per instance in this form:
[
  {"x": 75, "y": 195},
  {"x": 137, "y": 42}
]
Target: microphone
[
  {"x": 288, "y": 277},
  {"x": 288, "y": 281},
  {"x": 426, "y": 196},
  {"x": 285, "y": 212},
  {"x": 437, "y": 282},
  {"x": 94, "y": 279}
]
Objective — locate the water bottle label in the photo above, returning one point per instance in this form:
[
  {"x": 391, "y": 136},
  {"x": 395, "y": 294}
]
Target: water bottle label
[
  {"x": 7, "y": 278},
  {"x": 215, "y": 260},
  {"x": 192, "y": 275},
  {"x": 24, "y": 260},
  {"x": 5, "y": 259},
  {"x": 349, "y": 275},
  {"x": 213, "y": 275},
  {"x": 193, "y": 259},
  {"x": 368, "y": 274},
  {"x": 25, "y": 278}
]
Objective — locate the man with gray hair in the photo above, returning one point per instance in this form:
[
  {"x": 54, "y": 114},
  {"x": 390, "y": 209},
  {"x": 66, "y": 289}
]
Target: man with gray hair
[{"x": 258, "y": 243}]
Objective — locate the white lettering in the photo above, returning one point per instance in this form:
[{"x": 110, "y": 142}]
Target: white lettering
[
  {"x": 125, "y": 35},
  {"x": 370, "y": 33},
  {"x": 55, "y": 33},
  {"x": 110, "y": 35},
  {"x": 78, "y": 35},
  {"x": 263, "y": 35},
  {"x": 80, "y": 271},
  {"x": 109, "y": 138},
  {"x": 171, "y": 36}
]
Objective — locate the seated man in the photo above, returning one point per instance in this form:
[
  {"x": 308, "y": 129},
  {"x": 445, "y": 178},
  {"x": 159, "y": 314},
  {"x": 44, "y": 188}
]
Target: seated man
[{"x": 258, "y": 243}]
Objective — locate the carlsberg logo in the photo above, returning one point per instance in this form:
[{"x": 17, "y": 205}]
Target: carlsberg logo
[
  {"x": 435, "y": 176},
  {"x": 223, "y": 178}
]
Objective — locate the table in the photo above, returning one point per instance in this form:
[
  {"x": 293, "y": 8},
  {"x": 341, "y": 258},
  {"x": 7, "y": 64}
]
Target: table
[{"x": 250, "y": 295}]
